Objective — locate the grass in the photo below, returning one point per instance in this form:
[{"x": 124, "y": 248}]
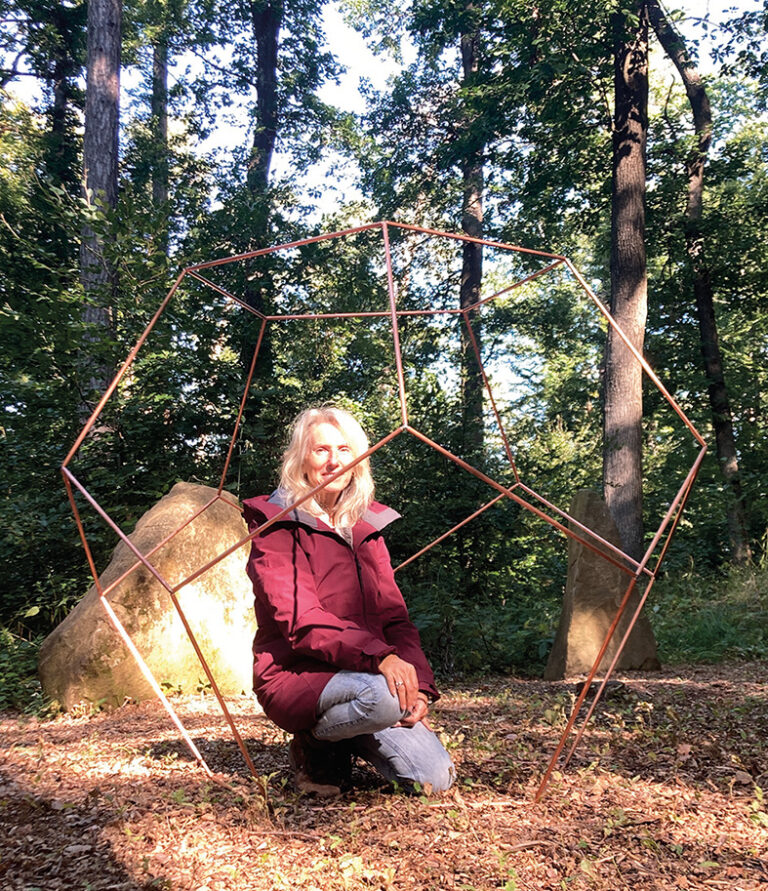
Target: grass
[{"x": 711, "y": 618}]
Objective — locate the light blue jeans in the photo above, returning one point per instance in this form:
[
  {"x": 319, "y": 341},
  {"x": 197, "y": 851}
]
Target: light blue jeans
[{"x": 358, "y": 707}]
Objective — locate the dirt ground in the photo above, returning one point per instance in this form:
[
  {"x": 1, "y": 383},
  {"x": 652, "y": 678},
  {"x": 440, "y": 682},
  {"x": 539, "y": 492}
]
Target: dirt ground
[{"x": 664, "y": 792}]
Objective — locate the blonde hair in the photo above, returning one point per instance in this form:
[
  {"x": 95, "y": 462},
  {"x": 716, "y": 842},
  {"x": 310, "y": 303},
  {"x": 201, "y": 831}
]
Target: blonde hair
[{"x": 358, "y": 494}]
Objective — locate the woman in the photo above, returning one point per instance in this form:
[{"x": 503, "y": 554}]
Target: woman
[{"x": 337, "y": 661}]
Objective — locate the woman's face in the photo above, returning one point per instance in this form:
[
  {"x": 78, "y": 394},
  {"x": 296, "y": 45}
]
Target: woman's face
[{"x": 327, "y": 452}]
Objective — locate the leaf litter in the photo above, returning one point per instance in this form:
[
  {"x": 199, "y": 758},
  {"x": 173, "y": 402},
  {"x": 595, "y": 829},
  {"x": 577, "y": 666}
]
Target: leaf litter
[{"x": 665, "y": 791}]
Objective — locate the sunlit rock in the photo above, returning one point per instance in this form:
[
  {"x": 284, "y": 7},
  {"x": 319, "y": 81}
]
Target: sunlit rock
[{"x": 84, "y": 659}]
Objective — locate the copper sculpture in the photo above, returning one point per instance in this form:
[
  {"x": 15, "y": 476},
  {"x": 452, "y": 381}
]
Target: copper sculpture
[{"x": 518, "y": 492}]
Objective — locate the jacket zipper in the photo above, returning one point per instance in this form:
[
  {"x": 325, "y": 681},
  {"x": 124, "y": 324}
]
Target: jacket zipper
[{"x": 360, "y": 583}]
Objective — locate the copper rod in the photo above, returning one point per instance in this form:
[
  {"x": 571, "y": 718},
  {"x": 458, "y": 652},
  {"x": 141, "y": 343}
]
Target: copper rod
[
  {"x": 395, "y": 329},
  {"x": 676, "y": 521},
  {"x": 517, "y": 284},
  {"x": 484, "y": 241},
  {"x": 582, "y": 696},
  {"x": 629, "y": 561},
  {"x": 144, "y": 668},
  {"x": 481, "y": 366},
  {"x": 190, "y": 634},
  {"x": 633, "y": 621},
  {"x": 118, "y": 377},
  {"x": 279, "y": 516},
  {"x": 368, "y": 314},
  {"x": 635, "y": 352},
  {"x": 79, "y": 524},
  {"x": 249, "y": 255},
  {"x": 508, "y": 491},
  {"x": 126, "y": 638},
  {"x": 609, "y": 671},
  {"x": 244, "y": 399},
  {"x": 577, "y": 706},
  {"x": 688, "y": 482},
  {"x": 449, "y": 532},
  {"x": 109, "y": 588},
  {"x": 225, "y": 293}
]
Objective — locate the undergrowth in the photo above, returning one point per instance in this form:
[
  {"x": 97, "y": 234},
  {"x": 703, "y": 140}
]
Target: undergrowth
[
  {"x": 711, "y": 617},
  {"x": 696, "y": 617},
  {"x": 19, "y": 686}
]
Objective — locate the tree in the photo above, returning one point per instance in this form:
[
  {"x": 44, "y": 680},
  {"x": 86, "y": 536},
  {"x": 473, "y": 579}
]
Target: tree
[
  {"x": 623, "y": 385},
  {"x": 703, "y": 289},
  {"x": 430, "y": 141},
  {"x": 100, "y": 163},
  {"x": 159, "y": 105},
  {"x": 472, "y": 225}
]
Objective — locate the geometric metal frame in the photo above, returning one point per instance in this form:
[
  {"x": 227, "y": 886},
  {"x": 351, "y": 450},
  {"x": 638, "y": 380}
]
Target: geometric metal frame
[{"x": 518, "y": 491}]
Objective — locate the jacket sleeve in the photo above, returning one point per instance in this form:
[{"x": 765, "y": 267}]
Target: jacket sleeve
[
  {"x": 399, "y": 630},
  {"x": 284, "y": 584}
]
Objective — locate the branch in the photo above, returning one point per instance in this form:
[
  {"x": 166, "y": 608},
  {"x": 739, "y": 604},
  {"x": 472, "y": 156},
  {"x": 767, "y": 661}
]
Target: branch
[
  {"x": 13, "y": 72},
  {"x": 673, "y": 135},
  {"x": 674, "y": 46},
  {"x": 220, "y": 68},
  {"x": 599, "y": 83}
]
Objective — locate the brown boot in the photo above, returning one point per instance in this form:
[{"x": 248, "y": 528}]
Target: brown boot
[{"x": 319, "y": 768}]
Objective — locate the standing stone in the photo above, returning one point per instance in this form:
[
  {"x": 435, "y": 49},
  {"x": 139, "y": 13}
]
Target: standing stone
[
  {"x": 85, "y": 660},
  {"x": 593, "y": 592}
]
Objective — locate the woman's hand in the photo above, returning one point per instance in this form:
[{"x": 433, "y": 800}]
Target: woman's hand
[
  {"x": 402, "y": 682},
  {"x": 418, "y": 713}
]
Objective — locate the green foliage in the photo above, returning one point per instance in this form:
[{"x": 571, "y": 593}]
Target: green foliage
[
  {"x": 710, "y": 617},
  {"x": 40, "y": 329},
  {"x": 488, "y": 597},
  {"x": 19, "y": 686},
  {"x": 735, "y": 214}
]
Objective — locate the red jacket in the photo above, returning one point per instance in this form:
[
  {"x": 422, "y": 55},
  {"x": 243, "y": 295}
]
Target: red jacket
[{"x": 322, "y": 606}]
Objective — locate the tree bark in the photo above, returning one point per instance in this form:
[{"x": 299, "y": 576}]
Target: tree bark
[
  {"x": 472, "y": 433},
  {"x": 623, "y": 395},
  {"x": 65, "y": 68},
  {"x": 159, "y": 113},
  {"x": 100, "y": 160},
  {"x": 722, "y": 419},
  {"x": 267, "y": 19},
  {"x": 472, "y": 266},
  {"x": 160, "y": 121}
]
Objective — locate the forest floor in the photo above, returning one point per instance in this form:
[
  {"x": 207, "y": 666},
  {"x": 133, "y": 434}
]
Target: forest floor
[{"x": 664, "y": 792}]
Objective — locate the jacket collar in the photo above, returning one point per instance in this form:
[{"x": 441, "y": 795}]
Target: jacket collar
[{"x": 376, "y": 517}]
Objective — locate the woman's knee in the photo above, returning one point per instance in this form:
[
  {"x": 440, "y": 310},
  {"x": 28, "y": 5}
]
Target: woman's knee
[
  {"x": 436, "y": 774},
  {"x": 355, "y": 703},
  {"x": 413, "y": 757},
  {"x": 381, "y": 705}
]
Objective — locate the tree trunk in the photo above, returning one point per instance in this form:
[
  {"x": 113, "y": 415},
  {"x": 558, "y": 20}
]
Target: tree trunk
[
  {"x": 267, "y": 18},
  {"x": 160, "y": 121},
  {"x": 61, "y": 160},
  {"x": 472, "y": 267},
  {"x": 100, "y": 158},
  {"x": 159, "y": 109},
  {"x": 467, "y": 543},
  {"x": 722, "y": 421},
  {"x": 623, "y": 393}
]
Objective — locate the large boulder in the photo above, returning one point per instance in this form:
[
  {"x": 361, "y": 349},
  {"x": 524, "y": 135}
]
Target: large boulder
[
  {"x": 85, "y": 660},
  {"x": 593, "y": 592}
]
